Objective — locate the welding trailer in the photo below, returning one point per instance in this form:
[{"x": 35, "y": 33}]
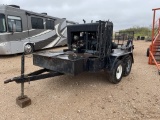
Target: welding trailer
[{"x": 91, "y": 48}]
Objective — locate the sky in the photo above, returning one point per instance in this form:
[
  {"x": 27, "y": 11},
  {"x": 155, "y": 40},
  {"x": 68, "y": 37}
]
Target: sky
[{"x": 123, "y": 13}]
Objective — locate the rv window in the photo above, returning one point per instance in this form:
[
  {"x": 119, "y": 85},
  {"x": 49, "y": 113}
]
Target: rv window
[
  {"x": 2, "y": 23},
  {"x": 49, "y": 24},
  {"x": 37, "y": 23},
  {"x": 14, "y": 20}
]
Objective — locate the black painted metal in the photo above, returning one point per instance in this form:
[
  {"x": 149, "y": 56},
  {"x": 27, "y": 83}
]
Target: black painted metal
[
  {"x": 66, "y": 62},
  {"x": 37, "y": 75},
  {"x": 38, "y": 72},
  {"x": 22, "y": 74}
]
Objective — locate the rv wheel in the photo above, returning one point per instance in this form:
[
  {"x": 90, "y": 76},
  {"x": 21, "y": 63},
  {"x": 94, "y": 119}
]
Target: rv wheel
[
  {"x": 117, "y": 72},
  {"x": 127, "y": 66},
  {"x": 28, "y": 48}
]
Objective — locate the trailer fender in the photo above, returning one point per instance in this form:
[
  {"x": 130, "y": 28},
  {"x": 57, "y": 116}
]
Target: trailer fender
[{"x": 115, "y": 59}]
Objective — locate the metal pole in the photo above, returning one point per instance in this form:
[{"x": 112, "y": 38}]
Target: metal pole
[
  {"x": 22, "y": 74},
  {"x": 154, "y": 15}
]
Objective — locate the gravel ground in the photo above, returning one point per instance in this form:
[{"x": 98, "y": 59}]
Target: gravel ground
[{"x": 84, "y": 97}]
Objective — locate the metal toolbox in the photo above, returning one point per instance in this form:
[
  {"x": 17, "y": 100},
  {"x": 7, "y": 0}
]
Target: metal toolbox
[{"x": 60, "y": 62}]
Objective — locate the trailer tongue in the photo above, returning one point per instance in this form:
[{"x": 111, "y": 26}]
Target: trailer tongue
[{"x": 90, "y": 49}]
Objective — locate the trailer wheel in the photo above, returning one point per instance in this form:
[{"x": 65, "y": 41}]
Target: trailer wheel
[
  {"x": 117, "y": 72},
  {"x": 127, "y": 66},
  {"x": 28, "y": 49},
  {"x": 147, "y": 52}
]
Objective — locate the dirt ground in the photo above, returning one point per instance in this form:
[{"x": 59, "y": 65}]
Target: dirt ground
[{"x": 85, "y": 97}]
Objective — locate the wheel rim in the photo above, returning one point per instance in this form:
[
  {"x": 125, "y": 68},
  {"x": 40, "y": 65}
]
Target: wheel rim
[
  {"x": 128, "y": 67},
  {"x": 28, "y": 48},
  {"x": 119, "y": 72}
]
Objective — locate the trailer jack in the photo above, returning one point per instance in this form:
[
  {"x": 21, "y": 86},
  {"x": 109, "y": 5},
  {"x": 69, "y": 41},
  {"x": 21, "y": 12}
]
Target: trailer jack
[{"x": 24, "y": 100}]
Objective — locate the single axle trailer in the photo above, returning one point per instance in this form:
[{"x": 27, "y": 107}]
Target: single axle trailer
[{"x": 91, "y": 48}]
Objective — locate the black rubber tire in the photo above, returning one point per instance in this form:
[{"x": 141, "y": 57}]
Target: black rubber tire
[
  {"x": 127, "y": 65},
  {"x": 30, "y": 51},
  {"x": 113, "y": 75},
  {"x": 147, "y": 54}
]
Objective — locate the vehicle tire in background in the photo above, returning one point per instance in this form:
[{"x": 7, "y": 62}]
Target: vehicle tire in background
[
  {"x": 147, "y": 52},
  {"x": 28, "y": 48},
  {"x": 117, "y": 72},
  {"x": 127, "y": 65}
]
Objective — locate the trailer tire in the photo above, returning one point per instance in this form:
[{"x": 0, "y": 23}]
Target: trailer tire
[
  {"x": 147, "y": 54},
  {"x": 28, "y": 48},
  {"x": 117, "y": 72},
  {"x": 127, "y": 65}
]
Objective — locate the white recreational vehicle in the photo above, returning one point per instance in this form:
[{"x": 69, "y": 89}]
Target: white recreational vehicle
[{"x": 26, "y": 31}]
